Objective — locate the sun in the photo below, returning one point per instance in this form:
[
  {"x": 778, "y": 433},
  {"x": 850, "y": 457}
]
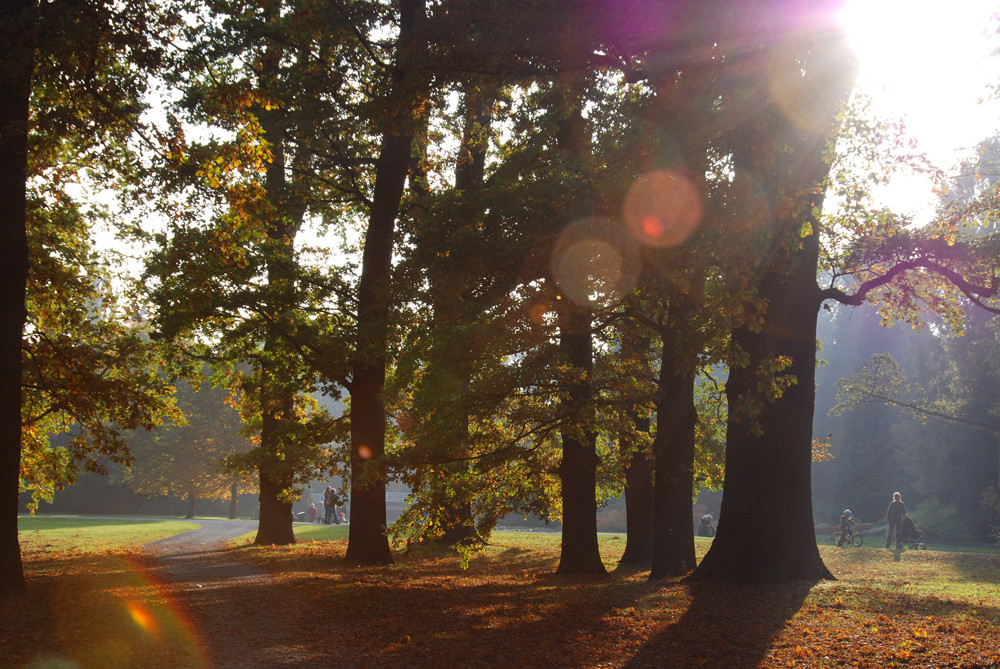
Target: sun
[
  {"x": 930, "y": 63},
  {"x": 927, "y": 60}
]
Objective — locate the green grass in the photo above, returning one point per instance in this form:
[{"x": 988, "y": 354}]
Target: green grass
[
  {"x": 82, "y": 534},
  {"x": 319, "y": 532},
  {"x": 877, "y": 541}
]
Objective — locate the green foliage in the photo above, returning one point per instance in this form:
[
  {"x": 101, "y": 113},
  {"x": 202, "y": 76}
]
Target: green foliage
[
  {"x": 945, "y": 522},
  {"x": 990, "y": 503},
  {"x": 186, "y": 458}
]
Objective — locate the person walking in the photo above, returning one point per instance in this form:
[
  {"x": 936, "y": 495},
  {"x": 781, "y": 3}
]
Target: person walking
[
  {"x": 894, "y": 514},
  {"x": 328, "y": 505}
]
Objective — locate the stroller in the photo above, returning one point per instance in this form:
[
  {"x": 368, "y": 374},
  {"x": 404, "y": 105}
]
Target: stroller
[{"x": 912, "y": 537}]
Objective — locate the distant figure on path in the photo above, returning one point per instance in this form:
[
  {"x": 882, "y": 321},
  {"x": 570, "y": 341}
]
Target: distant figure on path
[
  {"x": 895, "y": 514},
  {"x": 335, "y": 502},
  {"x": 312, "y": 513},
  {"x": 705, "y": 528},
  {"x": 328, "y": 505}
]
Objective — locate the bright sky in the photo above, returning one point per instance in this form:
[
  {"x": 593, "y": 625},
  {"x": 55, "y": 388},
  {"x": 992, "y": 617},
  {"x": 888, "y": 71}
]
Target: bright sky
[{"x": 929, "y": 62}]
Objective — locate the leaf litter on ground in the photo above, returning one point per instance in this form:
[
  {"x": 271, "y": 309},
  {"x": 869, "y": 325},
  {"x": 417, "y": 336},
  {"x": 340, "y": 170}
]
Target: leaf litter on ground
[{"x": 303, "y": 604}]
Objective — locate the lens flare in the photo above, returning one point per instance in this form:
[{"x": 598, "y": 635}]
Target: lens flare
[
  {"x": 800, "y": 89},
  {"x": 365, "y": 452},
  {"x": 594, "y": 262},
  {"x": 126, "y": 617},
  {"x": 749, "y": 213},
  {"x": 663, "y": 208},
  {"x": 538, "y": 312},
  {"x": 143, "y": 618}
]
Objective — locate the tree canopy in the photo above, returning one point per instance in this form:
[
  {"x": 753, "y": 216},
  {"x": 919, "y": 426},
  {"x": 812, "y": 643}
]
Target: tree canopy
[{"x": 547, "y": 255}]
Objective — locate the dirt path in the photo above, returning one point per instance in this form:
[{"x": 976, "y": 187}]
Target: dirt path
[
  {"x": 242, "y": 616},
  {"x": 197, "y": 558}
]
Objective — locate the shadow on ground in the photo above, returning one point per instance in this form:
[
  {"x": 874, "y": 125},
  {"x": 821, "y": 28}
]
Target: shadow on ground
[{"x": 725, "y": 625}]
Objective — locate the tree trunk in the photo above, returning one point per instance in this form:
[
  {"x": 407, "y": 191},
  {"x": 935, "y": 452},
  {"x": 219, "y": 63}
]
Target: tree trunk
[
  {"x": 580, "y": 552},
  {"x": 191, "y": 499},
  {"x": 275, "y": 525},
  {"x": 234, "y": 504},
  {"x": 15, "y": 89},
  {"x": 639, "y": 470},
  {"x": 275, "y": 469},
  {"x": 639, "y": 503},
  {"x": 769, "y": 442},
  {"x": 768, "y": 486},
  {"x": 673, "y": 447},
  {"x": 367, "y": 541},
  {"x": 455, "y": 342}
]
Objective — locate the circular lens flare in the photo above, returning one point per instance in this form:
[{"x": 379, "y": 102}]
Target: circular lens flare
[
  {"x": 663, "y": 208},
  {"x": 538, "y": 312},
  {"x": 594, "y": 262}
]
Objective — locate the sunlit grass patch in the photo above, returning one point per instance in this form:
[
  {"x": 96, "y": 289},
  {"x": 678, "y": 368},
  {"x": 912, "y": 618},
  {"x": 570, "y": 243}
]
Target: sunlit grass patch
[{"x": 52, "y": 534}]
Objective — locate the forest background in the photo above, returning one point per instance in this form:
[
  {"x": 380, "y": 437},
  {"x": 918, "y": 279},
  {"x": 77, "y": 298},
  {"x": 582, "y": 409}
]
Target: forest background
[{"x": 526, "y": 255}]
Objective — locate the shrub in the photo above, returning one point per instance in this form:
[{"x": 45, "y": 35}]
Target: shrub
[{"x": 944, "y": 522}]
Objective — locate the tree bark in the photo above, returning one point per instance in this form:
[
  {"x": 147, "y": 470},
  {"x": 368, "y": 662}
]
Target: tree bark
[
  {"x": 673, "y": 447},
  {"x": 276, "y": 387},
  {"x": 192, "y": 498},
  {"x": 639, "y": 503},
  {"x": 16, "y": 55},
  {"x": 367, "y": 541},
  {"x": 234, "y": 504},
  {"x": 639, "y": 470},
  {"x": 580, "y": 553},
  {"x": 769, "y": 442},
  {"x": 768, "y": 471},
  {"x": 274, "y": 528}
]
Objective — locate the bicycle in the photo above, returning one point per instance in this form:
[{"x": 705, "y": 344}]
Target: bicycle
[{"x": 855, "y": 539}]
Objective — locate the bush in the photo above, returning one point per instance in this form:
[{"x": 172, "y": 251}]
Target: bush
[
  {"x": 991, "y": 505},
  {"x": 944, "y": 522},
  {"x": 611, "y": 520}
]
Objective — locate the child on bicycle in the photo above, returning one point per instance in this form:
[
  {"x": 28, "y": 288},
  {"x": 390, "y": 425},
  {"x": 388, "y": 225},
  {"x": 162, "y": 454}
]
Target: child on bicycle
[{"x": 847, "y": 524}]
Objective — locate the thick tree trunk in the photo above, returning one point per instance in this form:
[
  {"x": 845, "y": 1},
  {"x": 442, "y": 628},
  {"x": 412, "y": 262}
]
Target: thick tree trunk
[
  {"x": 639, "y": 470},
  {"x": 580, "y": 552},
  {"x": 638, "y": 503},
  {"x": 769, "y": 442},
  {"x": 367, "y": 541},
  {"x": 768, "y": 472},
  {"x": 673, "y": 447},
  {"x": 15, "y": 88},
  {"x": 275, "y": 470},
  {"x": 275, "y": 524},
  {"x": 276, "y": 467}
]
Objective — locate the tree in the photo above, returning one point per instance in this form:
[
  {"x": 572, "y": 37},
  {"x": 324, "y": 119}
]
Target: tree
[
  {"x": 87, "y": 65},
  {"x": 271, "y": 318},
  {"x": 187, "y": 459},
  {"x": 16, "y": 52},
  {"x": 769, "y": 435}
]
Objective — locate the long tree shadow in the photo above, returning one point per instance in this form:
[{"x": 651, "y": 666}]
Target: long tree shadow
[{"x": 725, "y": 625}]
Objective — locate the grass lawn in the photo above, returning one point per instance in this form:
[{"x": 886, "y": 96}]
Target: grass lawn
[
  {"x": 305, "y": 606},
  {"x": 88, "y": 534}
]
